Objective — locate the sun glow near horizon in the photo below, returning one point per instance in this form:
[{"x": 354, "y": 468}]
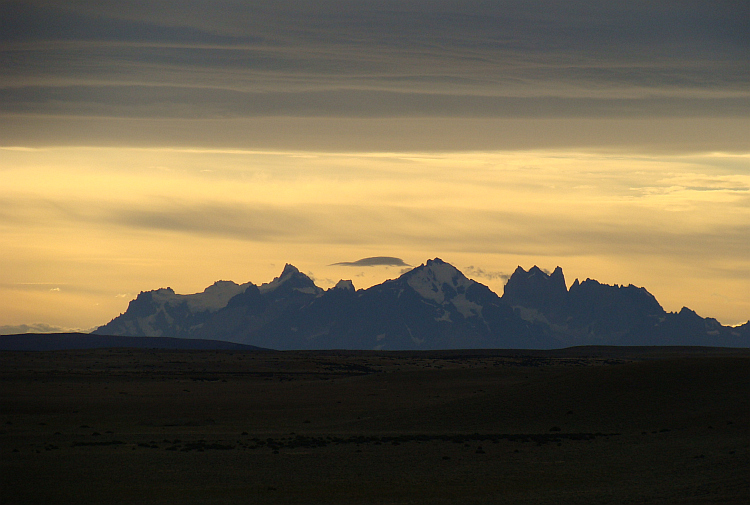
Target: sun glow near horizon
[
  {"x": 146, "y": 145},
  {"x": 108, "y": 221}
]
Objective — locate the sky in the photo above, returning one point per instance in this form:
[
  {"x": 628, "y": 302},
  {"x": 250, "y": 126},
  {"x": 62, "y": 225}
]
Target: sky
[{"x": 176, "y": 143}]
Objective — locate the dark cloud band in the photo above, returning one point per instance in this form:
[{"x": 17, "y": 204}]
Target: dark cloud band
[
  {"x": 189, "y": 102},
  {"x": 374, "y": 59}
]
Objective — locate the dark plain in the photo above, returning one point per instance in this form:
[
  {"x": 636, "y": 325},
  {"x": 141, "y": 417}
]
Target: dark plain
[{"x": 581, "y": 425}]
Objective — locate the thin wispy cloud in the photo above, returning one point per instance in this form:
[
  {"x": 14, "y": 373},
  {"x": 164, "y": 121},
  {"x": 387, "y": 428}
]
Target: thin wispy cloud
[
  {"x": 480, "y": 273},
  {"x": 39, "y": 328}
]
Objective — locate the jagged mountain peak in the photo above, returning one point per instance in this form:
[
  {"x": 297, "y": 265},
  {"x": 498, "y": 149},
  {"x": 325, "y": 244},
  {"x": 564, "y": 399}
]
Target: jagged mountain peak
[
  {"x": 219, "y": 285},
  {"x": 437, "y": 280},
  {"x": 286, "y": 274},
  {"x": 536, "y": 275},
  {"x": 345, "y": 285},
  {"x": 161, "y": 291},
  {"x": 213, "y": 298},
  {"x": 292, "y": 277},
  {"x": 289, "y": 269},
  {"x": 431, "y": 306},
  {"x": 688, "y": 313},
  {"x": 436, "y": 268},
  {"x": 624, "y": 294},
  {"x": 536, "y": 271},
  {"x": 537, "y": 290},
  {"x": 523, "y": 284},
  {"x": 443, "y": 284}
]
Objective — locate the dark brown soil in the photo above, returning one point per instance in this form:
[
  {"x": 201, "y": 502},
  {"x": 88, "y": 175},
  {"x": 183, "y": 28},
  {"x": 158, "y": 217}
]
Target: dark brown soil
[{"x": 587, "y": 425}]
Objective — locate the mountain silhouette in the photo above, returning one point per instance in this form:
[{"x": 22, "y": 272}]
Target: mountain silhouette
[{"x": 433, "y": 306}]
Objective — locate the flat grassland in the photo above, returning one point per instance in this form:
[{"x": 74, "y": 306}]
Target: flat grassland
[{"x": 581, "y": 425}]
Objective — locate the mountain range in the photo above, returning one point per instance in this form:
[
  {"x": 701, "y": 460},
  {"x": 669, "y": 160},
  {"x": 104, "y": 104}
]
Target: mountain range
[{"x": 433, "y": 306}]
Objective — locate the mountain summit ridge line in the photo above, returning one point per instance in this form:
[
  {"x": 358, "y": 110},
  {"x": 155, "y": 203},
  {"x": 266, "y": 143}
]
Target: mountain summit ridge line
[{"x": 432, "y": 306}]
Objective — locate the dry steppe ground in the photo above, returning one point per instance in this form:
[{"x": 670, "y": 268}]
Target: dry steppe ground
[{"x": 585, "y": 425}]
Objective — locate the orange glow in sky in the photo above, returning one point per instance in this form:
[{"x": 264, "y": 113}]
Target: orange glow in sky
[{"x": 145, "y": 147}]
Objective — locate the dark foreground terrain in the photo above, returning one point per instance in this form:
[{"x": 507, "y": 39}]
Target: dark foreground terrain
[{"x": 582, "y": 425}]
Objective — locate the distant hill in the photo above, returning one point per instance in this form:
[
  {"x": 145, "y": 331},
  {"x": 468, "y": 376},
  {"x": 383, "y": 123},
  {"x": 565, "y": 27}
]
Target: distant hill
[
  {"x": 433, "y": 306},
  {"x": 69, "y": 341}
]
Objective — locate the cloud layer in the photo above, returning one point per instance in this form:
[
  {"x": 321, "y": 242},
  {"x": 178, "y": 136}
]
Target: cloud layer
[
  {"x": 39, "y": 328},
  {"x": 535, "y": 60}
]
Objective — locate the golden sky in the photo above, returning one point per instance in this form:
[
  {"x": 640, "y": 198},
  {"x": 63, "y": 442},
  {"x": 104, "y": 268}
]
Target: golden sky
[{"x": 145, "y": 147}]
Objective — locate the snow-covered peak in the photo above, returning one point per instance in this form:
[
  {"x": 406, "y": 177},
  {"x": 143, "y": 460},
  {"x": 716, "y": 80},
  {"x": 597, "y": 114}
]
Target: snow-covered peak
[
  {"x": 213, "y": 298},
  {"x": 216, "y": 296},
  {"x": 294, "y": 279},
  {"x": 162, "y": 295},
  {"x": 430, "y": 280},
  {"x": 346, "y": 285},
  {"x": 288, "y": 272}
]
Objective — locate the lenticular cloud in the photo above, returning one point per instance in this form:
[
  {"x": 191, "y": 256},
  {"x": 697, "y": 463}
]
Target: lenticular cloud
[{"x": 374, "y": 261}]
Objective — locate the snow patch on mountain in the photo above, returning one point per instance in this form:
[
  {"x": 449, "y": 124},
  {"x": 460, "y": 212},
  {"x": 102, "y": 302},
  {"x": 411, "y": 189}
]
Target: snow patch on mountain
[
  {"x": 213, "y": 298},
  {"x": 288, "y": 272},
  {"x": 443, "y": 283},
  {"x": 465, "y": 307},
  {"x": 429, "y": 280},
  {"x": 294, "y": 279}
]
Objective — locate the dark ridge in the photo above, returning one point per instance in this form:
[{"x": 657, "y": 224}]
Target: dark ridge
[
  {"x": 70, "y": 341},
  {"x": 431, "y": 307}
]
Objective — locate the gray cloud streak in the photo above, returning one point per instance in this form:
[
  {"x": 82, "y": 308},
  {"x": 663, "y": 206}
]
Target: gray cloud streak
[
  {"x": 477, "y": 272},
  {"x": 375, "y": 59},
  {"x": 583, "y": 25},
  {"x": 494, "y": 232},
  {"x": 40, "y": 328},
  {"x": 664, "y": 135},
  {"x": 181, "y": 102}
]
